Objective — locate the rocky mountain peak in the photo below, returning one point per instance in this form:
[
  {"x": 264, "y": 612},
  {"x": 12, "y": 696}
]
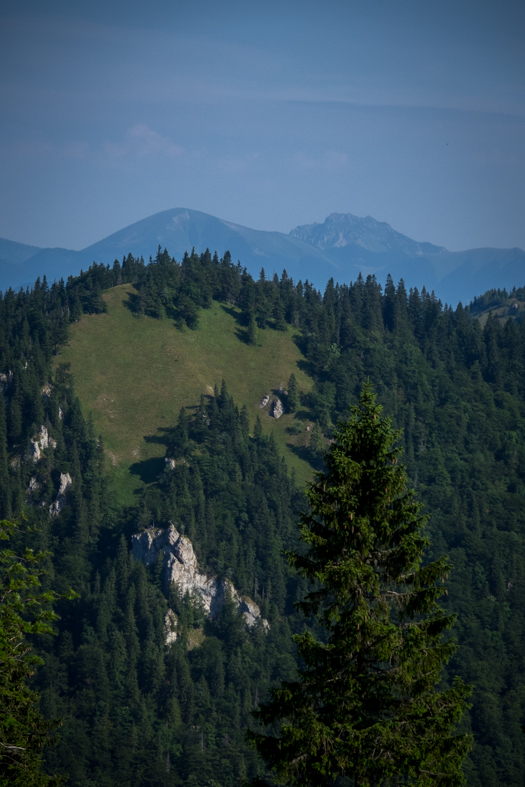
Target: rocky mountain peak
[{"x": 344, "y": 229}]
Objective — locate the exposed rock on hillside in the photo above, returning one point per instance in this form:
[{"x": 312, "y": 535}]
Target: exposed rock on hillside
[
  {"x": 170, "y": 626},
  {"x": 180, "y": 566},
  {"x": 278, "y": 408},
  {"x": 6, "y": 381},
  {"x": 264, "y": 401},
  {"x": 34, "y": 486},
  {"x": 39, "y": 444},
  {"x": 56, "y": 507}
]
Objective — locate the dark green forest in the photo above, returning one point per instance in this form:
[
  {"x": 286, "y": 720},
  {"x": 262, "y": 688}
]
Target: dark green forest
[{"x": 137, "y": 712}]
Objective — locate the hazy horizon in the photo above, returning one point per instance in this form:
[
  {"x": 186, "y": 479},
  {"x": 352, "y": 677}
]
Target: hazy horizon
[{"x": 268, "y": 117}]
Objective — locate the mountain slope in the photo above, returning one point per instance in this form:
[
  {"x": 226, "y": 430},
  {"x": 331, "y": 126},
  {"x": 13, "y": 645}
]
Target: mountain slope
[
  {"x": 364, "y": 244},
  {"x": 134, "y": 375},
  {"x": 179, "y": 230},
  {"x": 13, "y": 257},
  {"x": 341, "y": 230},
  {"x": 16, "y": 252},
  {"x": 456, "y": 392}
]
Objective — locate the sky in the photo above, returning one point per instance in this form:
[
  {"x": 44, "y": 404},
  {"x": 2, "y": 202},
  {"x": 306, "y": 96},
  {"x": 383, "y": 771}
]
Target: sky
[{"x": 267, "y": 114}]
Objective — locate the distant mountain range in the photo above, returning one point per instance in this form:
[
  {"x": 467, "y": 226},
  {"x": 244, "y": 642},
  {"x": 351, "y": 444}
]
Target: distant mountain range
[{"x": 341, "y": 247}]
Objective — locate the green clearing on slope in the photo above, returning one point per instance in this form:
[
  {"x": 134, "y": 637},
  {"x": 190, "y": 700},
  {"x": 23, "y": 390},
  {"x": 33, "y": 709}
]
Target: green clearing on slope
[
  {"x": 135, "y": 373},
  {"x": 513, "y": 309}
]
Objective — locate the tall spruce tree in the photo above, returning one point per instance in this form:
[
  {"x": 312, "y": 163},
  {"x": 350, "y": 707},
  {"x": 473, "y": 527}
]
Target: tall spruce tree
[
  {"x": 366, "y": 709},
  {"x": 293, "y": 399},
  {"x": 25, "y": 610}
]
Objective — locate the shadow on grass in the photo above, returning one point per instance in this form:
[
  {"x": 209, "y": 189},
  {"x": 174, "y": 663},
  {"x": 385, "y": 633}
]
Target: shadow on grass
[
  {"x": 242, "y": 335},
  {"x": 241, "y": 331},
  {"x": 304, "y": 453},
  {"x": 162, "y": 437},
  {"x": 307, "y": 367},
  {"x": 149, "y": 470},
  {"x": 304, "y": 415},
  {"x": 132, "y": 303},
  {"x": 300, "y": 341},
  {"x": 235, "y": 313}
]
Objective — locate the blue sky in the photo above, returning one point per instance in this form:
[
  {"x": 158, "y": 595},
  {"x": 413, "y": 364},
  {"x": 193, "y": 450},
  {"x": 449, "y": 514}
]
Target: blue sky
[{"x": 268, "y": 114}]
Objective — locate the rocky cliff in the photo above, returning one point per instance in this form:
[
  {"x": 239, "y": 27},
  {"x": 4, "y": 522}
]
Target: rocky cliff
[
  {"x": 40, "y": 443},
  {"x": 56, "y": 507},
  {"x": 179, "y": 565}
]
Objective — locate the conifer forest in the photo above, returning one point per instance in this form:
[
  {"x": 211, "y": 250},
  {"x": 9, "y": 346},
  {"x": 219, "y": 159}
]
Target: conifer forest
[{"x": 135, "y": 711}]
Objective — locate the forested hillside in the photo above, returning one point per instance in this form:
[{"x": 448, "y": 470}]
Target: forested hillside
[
  {"x": 135, "y": 373},
  {"x": 137, "y": 712}
]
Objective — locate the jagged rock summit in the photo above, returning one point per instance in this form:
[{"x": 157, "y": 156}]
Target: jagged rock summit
[
  {"x": 180, "y": 566},
  {"x": 345, "y": 229}
]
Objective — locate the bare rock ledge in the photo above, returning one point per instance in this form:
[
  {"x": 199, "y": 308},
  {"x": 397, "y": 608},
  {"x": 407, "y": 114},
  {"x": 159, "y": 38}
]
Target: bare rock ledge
[{"x": 180, "y": 566}]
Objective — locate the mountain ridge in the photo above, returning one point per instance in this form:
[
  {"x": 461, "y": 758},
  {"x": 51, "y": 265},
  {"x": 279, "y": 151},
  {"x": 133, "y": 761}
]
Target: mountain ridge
[
  {"x": 367, "y": 232},
  {"x": 341, "y": 247}
]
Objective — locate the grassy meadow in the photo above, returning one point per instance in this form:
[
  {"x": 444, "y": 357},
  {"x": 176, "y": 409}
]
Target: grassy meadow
[
  {"x": 135, "y": 373},
  {"x": 512, "y": 309}
]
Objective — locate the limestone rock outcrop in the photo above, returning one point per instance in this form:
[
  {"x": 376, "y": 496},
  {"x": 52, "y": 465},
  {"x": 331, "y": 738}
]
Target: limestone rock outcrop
[
  {"x": 6, "y": 380},
  {"x": 39, "y": 444},
  {"x": 170, "y": 626},
  {"x": 33, "y": 485},
  {"x": 179, "y": 565},
  {"x": 278, "y": 408},
  {"x": 56, "y": 507}
]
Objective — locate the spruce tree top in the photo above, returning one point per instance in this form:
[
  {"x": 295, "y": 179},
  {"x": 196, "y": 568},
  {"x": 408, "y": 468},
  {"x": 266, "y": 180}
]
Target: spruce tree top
[{"x": 365, "y": 710}]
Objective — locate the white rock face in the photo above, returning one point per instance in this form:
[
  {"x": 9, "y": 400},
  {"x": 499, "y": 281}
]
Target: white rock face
[
  {"x": 40, "y": 443},
  {"x": 65, "y": 483},
  {"x": 264, "y": 401},
  {"x": 6, "y": 381},
  {"x": 278, "y": 408},
  {"x": 56, "y": 507},
  {"x": 180, "y": 566},
  {"x": 34, "y": 486},
  {"x": 170, "y": 626},
  {"x": 251, "y": 612}
]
